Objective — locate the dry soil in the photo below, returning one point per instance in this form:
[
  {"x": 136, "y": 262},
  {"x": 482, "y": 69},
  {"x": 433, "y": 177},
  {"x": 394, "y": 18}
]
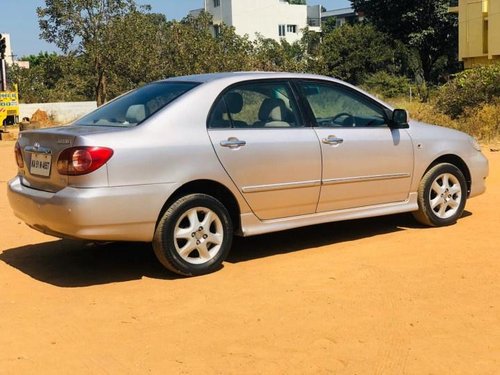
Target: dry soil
[{"x": 376, "y": 296}]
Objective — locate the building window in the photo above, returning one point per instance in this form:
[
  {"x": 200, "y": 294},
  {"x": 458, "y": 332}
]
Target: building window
[
  {"x": 281, "y": 30},
  {"x": 485, "y": 37},
  {"x": 291, "y": 29},
  {"x": 340, "y": 22},
  {"x": 216, "y": 31},
  {"x": 216, "y": 3}
]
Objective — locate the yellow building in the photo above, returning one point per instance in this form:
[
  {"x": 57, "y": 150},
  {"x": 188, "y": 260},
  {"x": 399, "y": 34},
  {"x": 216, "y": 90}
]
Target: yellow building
[{"x": 479, "y": 31}]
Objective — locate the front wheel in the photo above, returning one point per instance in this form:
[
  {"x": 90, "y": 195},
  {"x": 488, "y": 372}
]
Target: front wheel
[
  {"x": 441, "y": 196},
  {"x": 194, "y": 235}
]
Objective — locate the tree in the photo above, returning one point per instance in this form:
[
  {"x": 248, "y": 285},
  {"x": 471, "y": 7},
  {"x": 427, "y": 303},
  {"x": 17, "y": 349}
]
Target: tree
[
  {"x": 270, "y": 55},
  {"x": 52, "y": 78},
  {"x": 425, "y": 25},
  {"x": 135, "y": 47},
  {"x": 82, "y": 27},
  {"x": 351, "y": 52},
  {"x": 192, "y": 48}
]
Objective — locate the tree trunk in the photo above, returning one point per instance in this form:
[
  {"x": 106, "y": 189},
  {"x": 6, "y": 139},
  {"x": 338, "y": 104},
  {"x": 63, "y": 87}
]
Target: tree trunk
[{"x": 100, "y": 88}]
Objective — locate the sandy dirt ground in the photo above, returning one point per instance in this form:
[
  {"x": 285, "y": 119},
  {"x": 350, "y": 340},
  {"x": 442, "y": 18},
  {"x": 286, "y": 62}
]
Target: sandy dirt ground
[{"x": 375, "y": 296}]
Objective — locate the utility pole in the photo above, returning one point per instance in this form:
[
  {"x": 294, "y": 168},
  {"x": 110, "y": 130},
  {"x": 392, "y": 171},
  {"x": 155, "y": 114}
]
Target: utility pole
[{"x": 3, "y": 77}]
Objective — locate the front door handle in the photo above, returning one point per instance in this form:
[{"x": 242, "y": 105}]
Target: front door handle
[
  {"x": 333, "y": 140},
  {"x": 233, "y": 142}
]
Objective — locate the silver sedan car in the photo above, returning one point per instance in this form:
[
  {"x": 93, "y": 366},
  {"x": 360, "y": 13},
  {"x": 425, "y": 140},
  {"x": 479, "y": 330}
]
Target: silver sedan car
[{"x": 187, "y": 162}]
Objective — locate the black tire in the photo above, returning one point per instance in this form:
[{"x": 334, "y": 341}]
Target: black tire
[
  {"x": 168, "y": 246},
  {"x": 443, "y": 213}
]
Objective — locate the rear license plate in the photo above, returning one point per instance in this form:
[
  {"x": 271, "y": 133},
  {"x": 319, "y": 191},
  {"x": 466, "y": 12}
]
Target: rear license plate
[{"x": 40, "y": 164}]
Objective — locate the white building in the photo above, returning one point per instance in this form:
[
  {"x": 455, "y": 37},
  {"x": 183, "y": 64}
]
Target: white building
[
  {"x": 342, "y": 16},
  {"x": 274, "y": 19}
]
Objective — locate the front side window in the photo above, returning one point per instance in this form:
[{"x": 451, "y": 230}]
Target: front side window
[
  {"x": 335, "y": 106},
  {"x": 256, "y": 105},
  {"x": 136, "y": 106}
]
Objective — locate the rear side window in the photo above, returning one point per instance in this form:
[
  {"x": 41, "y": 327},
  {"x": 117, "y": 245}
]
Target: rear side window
[
  {"x": 136, "y": 106},
  {"x": 256, "y": 105}
]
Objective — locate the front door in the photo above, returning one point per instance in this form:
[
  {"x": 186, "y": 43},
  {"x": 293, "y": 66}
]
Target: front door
[
  {"x": 364, "y": 161},
  {"x": 260, "y": 139}
]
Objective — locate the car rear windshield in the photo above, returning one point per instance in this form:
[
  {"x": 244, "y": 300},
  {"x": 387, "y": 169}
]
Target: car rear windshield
[{"x": 136, "y": 106}]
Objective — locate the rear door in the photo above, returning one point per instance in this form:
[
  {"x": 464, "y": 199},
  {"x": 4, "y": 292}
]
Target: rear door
[
  {"x": 261, "y": 140},
  {"x": 364, "y": 161}
]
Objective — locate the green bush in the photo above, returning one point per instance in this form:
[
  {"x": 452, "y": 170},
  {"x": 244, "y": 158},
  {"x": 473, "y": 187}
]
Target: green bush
[
  {"x": 387, "y": 85},
  {"x": 483, "y": 121},
  {"x": 469, "y": 89}
]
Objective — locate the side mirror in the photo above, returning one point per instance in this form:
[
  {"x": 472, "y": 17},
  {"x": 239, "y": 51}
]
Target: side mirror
[{"x": 399, "y": 119}]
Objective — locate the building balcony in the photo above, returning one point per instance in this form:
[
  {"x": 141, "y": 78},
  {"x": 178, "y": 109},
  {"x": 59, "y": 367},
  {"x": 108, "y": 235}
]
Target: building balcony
[
  {"x": 314, "y": 22},
  {"x": 196, "y": 12}
]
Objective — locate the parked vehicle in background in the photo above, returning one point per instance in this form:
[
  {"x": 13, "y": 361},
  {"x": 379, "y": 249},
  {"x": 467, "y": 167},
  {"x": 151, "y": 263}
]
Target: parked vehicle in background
[
  {"x": 187, "y": 162},
  {"x": 9, "y": 101},
  {"x": 9, "y": 107}
]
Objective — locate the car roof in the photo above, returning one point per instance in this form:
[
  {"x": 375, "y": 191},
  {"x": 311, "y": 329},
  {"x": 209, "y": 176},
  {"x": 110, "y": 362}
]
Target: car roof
[
  {"x": 229, "y": 78},
  {"x": 237, "y": 76}
]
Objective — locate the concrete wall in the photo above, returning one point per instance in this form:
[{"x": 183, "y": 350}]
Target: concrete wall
[{"x": 61, "y": 112}]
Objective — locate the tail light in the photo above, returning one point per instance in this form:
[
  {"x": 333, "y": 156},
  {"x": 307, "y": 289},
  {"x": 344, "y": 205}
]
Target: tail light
[
  {"x": 77, "y": 161},
  {"x": 19, "y": 155}
]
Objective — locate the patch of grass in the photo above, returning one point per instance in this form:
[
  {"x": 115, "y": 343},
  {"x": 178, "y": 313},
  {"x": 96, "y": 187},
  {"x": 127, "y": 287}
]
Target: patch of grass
[{"x": 482, "y": 121}]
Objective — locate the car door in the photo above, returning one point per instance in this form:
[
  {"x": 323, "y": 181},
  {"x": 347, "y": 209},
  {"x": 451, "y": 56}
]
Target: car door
[
  {"x": 260, "y": 138},
  {"x": 365, "y": 162}
]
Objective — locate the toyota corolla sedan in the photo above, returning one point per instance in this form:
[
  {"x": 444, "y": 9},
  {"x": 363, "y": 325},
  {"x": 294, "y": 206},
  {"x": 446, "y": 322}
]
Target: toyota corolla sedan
[{"x": 188, "y": 162}]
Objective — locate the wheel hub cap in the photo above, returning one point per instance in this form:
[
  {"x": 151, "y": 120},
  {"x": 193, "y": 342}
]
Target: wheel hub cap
[
  {"x": 198, "y": 235},
  {"x": 445, "y": 196}
]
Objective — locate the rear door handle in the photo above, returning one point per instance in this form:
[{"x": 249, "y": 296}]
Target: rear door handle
[
  {"x": 233, "y": 143},
  {"x": 333, "y": 140}
]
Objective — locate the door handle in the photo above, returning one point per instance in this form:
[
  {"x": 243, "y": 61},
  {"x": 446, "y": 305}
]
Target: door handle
[
  {"x": 333, "y": 140},
  {"x": 233, "y": 143}
]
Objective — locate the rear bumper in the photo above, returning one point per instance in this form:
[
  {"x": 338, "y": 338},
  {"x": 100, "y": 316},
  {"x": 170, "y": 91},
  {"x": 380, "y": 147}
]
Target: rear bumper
[{"x": 127, "y": 213}]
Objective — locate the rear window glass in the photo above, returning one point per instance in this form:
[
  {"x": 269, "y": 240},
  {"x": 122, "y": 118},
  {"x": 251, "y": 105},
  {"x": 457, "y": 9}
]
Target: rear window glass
[{"x": 136, "y": 106}]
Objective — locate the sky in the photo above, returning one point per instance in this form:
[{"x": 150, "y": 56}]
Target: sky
[{"x": 18, "y": 18}]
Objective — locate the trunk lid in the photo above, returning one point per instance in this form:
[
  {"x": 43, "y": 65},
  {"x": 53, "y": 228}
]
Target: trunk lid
[{"x": 41, "y": 149}]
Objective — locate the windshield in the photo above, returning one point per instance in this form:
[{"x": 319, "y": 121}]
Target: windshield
[{"x": 136, "y": 106}]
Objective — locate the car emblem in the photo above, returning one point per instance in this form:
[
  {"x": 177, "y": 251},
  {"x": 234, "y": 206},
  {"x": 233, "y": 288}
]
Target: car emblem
[{"x": 36, "y": 145}]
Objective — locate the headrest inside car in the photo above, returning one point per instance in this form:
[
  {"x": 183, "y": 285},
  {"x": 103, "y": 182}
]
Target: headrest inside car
[{"x": 234, "y": 102}]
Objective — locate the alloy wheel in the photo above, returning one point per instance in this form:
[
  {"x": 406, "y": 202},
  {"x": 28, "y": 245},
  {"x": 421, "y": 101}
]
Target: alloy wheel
[
  {"x": 445, "y": 195},
  {"x": 198, "y": 235}
]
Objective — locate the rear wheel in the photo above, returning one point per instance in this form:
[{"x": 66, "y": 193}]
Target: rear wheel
[
  {"x": 441, "y": 196},
  {"x": 194, "y": 235}
]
